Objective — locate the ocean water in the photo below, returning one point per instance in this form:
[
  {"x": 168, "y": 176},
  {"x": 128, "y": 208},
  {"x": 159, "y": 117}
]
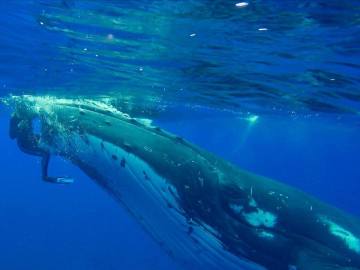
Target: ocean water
[{"x": 273, "y": 87}]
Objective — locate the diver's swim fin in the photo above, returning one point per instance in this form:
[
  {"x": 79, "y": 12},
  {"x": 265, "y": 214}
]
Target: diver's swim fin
[
  {"x": 51, "y": 179},
  {"x": 59, "y": 180}
]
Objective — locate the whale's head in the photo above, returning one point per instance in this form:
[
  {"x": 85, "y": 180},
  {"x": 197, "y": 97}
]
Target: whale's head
[
  {"x": 37, "y": 120},
  {"x": 52, "y": 124}
]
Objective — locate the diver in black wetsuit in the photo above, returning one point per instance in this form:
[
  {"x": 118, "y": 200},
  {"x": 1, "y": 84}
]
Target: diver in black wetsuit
[{"x": 28, "y": 142}]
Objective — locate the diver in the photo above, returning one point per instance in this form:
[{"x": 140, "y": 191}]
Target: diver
[{"x": 29, "y": 143}]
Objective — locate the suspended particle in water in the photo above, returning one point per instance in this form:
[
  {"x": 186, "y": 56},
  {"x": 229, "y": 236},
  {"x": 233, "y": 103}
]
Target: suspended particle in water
[
  {"x": 241, "y": 4},
  {"x": 110, "y": 37}
]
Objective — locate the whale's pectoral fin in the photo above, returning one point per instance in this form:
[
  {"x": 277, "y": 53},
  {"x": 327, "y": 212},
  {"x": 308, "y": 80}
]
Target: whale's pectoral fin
[
  {"x": 51, "y": 179},
  {"x": 309, "y": 260}
]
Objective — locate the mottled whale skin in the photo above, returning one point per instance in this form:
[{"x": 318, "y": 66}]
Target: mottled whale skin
[{"x": 205, "y": 212}]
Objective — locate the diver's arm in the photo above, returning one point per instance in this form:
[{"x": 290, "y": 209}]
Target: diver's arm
[{"x": 44, "y": 172}]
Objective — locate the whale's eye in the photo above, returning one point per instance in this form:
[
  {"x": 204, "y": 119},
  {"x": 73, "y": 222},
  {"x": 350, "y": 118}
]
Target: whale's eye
[{"x": 36, "y": 126}]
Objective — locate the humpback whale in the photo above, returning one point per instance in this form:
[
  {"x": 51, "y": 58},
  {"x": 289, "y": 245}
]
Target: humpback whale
[{"x": 205, "y": 212}]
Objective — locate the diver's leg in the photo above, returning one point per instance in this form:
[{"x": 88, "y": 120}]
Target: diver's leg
[
  {"x": 44, "y": 166},
  {"x": 44, "y": 171}
]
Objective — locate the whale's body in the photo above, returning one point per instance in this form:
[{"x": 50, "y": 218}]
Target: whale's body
[{"x": 205, "y": 212}]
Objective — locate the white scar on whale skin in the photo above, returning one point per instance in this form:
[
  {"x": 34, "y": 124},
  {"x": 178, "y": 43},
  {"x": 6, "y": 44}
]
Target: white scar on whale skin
[
  {"x": 349, "y": 239},
  {"x": 260, "y": 218},
  {"x": 266, "y": 235}
]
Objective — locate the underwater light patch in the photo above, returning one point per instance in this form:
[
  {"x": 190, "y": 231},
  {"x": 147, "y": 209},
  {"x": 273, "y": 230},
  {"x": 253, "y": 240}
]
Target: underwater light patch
[{"x": 252, "y": 119}]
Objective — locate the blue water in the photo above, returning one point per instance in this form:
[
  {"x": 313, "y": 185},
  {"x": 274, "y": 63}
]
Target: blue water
[{"x": 199, "y": 69}]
